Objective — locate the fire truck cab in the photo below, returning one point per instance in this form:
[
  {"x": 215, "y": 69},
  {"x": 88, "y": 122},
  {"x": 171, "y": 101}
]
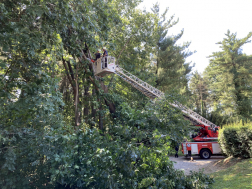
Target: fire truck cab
[{"x": 205, "y": 143}]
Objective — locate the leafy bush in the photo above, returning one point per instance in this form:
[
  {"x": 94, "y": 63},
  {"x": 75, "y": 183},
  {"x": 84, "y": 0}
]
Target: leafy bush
[
  {"x": 90, "y": 160},
  {"x": 199, "y": 180},
  {"x": 236, "y": 141},
  {"x": 132, "y": 155}
]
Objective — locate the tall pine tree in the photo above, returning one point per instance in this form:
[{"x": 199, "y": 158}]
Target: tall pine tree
[
  {"x": 230, "y": 74},
  {"x": 171, "y": 68}
]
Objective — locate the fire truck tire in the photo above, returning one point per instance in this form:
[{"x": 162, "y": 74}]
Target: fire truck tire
[{"x": 205, "y": 154}]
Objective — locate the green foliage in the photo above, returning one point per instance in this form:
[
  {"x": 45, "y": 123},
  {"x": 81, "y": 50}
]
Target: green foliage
[
  {"x": 130, "y": 154},
  {"x": 39, "y": 148},
  {"x": 199, "y": 180},
  {"x": 236, "y": 140},
  {"x": 144, "y": 48},
  {"x": 90, "y": 160},
  {"x": 159, "y": 118},
  {"x": 229, "y": 79},
  {"x": 199, "y": 98},
  {"x": 169, "y": 58},
  {"x": 25, "y": 122}
]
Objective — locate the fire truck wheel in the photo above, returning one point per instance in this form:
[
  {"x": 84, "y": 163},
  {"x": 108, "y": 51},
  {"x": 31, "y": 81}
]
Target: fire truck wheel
[{"x": 205, "y": 154}]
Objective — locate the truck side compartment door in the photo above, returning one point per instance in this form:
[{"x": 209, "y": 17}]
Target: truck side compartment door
[
  {"x": 194, "y": 149},
  {"x": 216, "y": 148}
]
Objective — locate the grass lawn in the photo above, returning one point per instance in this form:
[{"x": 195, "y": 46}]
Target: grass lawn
[{"x": 235, "y": 175}]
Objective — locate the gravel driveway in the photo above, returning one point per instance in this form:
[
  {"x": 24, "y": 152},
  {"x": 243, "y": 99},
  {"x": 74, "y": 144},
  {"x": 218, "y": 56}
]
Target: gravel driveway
[{"x": 187, "y": 165}]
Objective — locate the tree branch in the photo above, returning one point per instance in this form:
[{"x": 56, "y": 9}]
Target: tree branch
[
  {"x": 69, "y": 78},
  {"x": 124, "y": 47}
]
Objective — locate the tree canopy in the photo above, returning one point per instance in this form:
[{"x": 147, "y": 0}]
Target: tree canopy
[
  {"x": 63, "y": 127},
  {"x": 229, "y": 76}
]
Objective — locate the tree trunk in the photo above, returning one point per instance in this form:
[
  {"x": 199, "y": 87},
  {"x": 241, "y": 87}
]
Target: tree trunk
[
  {"x": 100, "y": 116},
  {"x": 93, "y": 109},
  {"x": 76, "y": 102},
  {"x": 110, "y": 105},
  {"x": 238, "y": 92},
  {"x": 80, "y": 104},
  {"x": 86, "y": 105}
]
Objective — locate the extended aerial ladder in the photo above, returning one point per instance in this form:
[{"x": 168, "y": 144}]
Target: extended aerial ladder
[{"x": 107, "y": 65}]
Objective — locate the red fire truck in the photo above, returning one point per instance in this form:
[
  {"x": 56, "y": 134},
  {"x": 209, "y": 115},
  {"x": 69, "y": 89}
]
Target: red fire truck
[{"x": 205, "y": 143}]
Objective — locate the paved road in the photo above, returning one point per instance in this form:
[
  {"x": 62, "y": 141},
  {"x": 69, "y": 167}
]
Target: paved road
[{"x": 187, "y": 165}]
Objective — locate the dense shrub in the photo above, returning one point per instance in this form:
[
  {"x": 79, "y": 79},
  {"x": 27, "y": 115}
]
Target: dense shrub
[
  {"x": 236, "y": 141},
  {"x": 90, "y": 160},
  {"x": 125, "y": 156},
  {"x": 97, "y": 162},
  {"x": 198, "y": 180}
]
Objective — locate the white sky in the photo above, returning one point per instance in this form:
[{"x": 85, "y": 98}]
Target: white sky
[{"x": 206, "y": 22}]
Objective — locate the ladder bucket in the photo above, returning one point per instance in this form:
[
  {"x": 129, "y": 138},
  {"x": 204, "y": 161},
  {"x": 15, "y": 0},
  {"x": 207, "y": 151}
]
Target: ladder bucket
[{"x": 104, "y": 66}]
